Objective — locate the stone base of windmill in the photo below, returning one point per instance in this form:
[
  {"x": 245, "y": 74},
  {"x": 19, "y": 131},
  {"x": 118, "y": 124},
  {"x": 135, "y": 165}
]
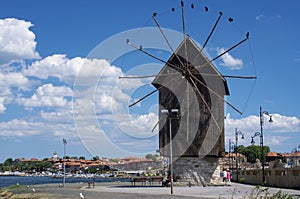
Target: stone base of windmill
[{"x": 195, "y": 171}]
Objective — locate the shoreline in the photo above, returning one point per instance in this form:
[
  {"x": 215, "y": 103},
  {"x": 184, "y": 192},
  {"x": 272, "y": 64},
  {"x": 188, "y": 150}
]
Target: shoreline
[{"x": 123, "y": 190}]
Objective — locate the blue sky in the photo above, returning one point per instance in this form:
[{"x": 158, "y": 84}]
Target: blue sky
[{"x": 44, "y": 46}]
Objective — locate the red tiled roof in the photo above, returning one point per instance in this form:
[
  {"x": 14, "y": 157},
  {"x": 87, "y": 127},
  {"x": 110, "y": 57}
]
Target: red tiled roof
[
  {"x": 272, "y": 154},
  {"x": 295, "y": 154},
  {"x": 233, "y": 155}
]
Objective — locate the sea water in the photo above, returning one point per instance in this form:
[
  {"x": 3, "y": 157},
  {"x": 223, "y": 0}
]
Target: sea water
[{"x": 6, "y": 181}]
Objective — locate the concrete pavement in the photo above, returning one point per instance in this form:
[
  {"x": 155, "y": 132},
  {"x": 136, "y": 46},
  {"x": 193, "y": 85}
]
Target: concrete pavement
[{"x": 236, "y": 190}]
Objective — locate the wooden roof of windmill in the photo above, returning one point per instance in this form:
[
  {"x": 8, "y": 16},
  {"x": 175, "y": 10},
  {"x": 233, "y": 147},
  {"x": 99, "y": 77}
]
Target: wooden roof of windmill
[{"x": 191, "y": 58}]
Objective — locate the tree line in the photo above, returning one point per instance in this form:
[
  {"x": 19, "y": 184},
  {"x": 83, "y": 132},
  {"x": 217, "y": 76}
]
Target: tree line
[
  {"x": 253, "y": 152},
  {"x": 28, "y": 167}
]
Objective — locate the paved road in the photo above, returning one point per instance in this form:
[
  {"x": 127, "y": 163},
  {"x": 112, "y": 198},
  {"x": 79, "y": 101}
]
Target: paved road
[
  {"x": 124, "y": 191},
  {"x": 234, "y": 191}
]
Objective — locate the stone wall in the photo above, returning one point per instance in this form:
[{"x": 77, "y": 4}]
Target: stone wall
[
  {"x": 197, "y": 171},
  {"x": 279, "y": 177}
]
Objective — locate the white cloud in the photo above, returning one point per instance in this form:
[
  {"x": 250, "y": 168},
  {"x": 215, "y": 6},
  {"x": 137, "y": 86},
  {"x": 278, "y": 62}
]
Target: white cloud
[
  {"x": 276, "y": 133},
  {"x": 66, "y": 70},
  {"x": 139, "y": 126},
  {"x": 284, "y": 124},
  {"x": 264, "y": 18},
  {"x": 2, "y": 107},
  {"x": 15, "y": 79},
  {"x": 259, "y": 17},
  {"x": 64, "y": 115},
  {"x": 17, "y": 42},
  {"x": 48, "y": 95},
  {"x": 275, "y": 140},
  {"x": 11, "y": 84},
  {"x": 22, "y": 128},
  {"x": 19, "y": 128},
  {"x": 229, "y": 61},
  {"x": 250, "y": 124}
]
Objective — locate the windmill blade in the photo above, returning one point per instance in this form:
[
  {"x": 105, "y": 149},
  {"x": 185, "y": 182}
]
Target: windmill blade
[
  {"x": 146, "y": 76},
  {"x": 136, "y": 77},
  {"x": 203, "y": 74},
  {"x": 236, "y": 45},
  {"x": 162, "y": 118},
  {"x": 205, "y": 103},
  {"x": 214, "y": 92},
  {"x": 166, "y": 39},
  {"x": 149, "y": 54},
  {"x": 155, "y": 126},
  {"x": 229, "y": 76},
  {"x": 154, "y": 91},
  {"x": 240, "y": 77},
  {"x": 182, "y": 18},
  {"x": 220, "y": 55},
  {"x": 213, "y": 29},
  {"x": 143, "y": 98}
]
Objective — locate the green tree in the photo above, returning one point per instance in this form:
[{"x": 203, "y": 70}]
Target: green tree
[
  {"x": 149, "y": 156},
  {"x": 152, "y": 157},
  {"x": 81, "y": 158},
  {"x": 253, "y": 152},
  {"x": 8, "y": 162},
  {"x": 96, "y": 158}
]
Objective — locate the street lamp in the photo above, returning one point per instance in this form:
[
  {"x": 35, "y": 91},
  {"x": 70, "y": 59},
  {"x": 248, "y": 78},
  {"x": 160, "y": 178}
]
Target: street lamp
[
  {"x": 171, "y": 114},
  {"x": 255, "y": 135},
  {"x": 65, "y": 143},
  {"x": 261, "y": 135},
  {"x": 237, "y": 133},
  {"x": 231, "y": 146}
]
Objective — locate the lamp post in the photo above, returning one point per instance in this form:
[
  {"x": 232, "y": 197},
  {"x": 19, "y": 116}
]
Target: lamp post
[
  {"x": 237, "y": 133},
  {"x": 261, "y": 135},
  {"x": 64, "y": 179},
  {"x": 261, "y": 115},
  {"x": 231, "y": 145},
  {"x": 171, "y": 114}
]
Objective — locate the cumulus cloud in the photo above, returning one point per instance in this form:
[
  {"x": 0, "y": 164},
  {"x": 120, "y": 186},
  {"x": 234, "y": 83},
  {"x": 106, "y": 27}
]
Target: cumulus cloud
[
  {"x": 17, "y": 41},
  {"x": 275, "y": 140},
  {"x": 19, "y": 128},
  {"x": 48, "y": 95},
  {"x": 66, "y": 70},
  {"x": 11, "y": 84},
  {"x": 2, "y": 107},
  {"x": 251, "y": 124},
  {"x": 15, "y": 79},
  {"x": 229, "y": 61},
  {"x": 22, "y": 128},
  {"x": 281, "y": 124}
]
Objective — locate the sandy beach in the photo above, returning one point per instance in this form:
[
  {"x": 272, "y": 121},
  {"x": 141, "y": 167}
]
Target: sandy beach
[{"x": 123, "y": 190}]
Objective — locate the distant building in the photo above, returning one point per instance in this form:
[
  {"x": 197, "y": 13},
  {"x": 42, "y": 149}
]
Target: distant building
[
  {"x": 293, "y": 159},
  {"x": 230, "y": 159}
]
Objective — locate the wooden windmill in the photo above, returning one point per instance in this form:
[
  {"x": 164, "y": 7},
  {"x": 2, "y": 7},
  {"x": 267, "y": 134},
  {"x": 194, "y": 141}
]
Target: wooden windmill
[
  {"x": 200, "y": 128},
  {"x": 189, "y": 82}
]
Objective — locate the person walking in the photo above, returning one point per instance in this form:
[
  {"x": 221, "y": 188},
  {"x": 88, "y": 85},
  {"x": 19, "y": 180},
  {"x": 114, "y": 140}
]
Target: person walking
[
  {"x": 224, "y": 175},
  {"x": 228, "y": 176}
]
